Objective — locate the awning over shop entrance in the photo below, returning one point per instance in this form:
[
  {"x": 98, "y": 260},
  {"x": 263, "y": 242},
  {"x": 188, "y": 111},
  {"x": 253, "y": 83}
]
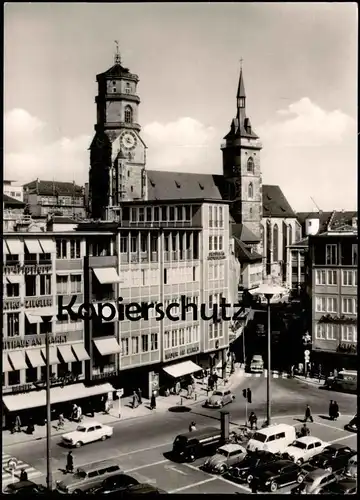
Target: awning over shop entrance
[
  {"x": 35, "y": 358},
  {"x": 181, "y": 369},
  {"x": 107, "y": 275},
  {"x": 37, "y": 399},
  {"x": 6, "y": 367},
  {"x": 107, "y": 346}
]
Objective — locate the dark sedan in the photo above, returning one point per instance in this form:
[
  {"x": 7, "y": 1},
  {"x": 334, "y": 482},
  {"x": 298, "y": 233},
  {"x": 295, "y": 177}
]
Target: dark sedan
[
  {"x": 342, "y": 487},
  {"x": 246, "y": 469},
  {"x": 278, "y": 474},
  {"x": 333, "y": 458},
  {"x": 24, "y": 488},
  {"x": 113, "y": 484}
]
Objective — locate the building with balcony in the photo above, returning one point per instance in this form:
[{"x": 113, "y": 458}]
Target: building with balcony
[
  {"x": 333, "y": 261},
  {"x": 45, "y": 198},
  {"x": 12, "y": 190}
]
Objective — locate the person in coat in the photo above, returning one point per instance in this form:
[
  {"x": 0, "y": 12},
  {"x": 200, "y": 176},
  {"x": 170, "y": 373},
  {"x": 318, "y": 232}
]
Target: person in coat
[
  {"x": 139, "y": 393},
  {"x": 331, "y": 410},
  {"x": 253, "y": 420},
  {"x": 336, "y": 412},
  {"x": 153, "y": 401},
  {"x": 135, "y": 400},
  {"x": 192, "y": 427},
  {"x": 308, "y": 415},
  {"x": 23, "y": 475},
  {"x": 70, "y": 462}
]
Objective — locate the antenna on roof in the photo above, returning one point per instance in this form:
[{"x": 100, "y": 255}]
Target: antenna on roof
[
  {"x": 312, "y": 199},
  {"x": 117, "y": 58}
]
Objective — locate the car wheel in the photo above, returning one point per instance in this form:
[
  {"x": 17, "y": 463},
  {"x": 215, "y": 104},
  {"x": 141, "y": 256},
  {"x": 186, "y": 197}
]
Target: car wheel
[
  {"x": 300, "y": 478},
  {"x": 249, "y": 478},
  {"x": 192, "y": 458},
  {"x": 222, "y": 469},
  {"x": 103, "y": 437},
  {"x": 78, "y": 444},
  {"x": 77, "y": 492},
  {"x": 300, "y": 461},
  {"x": 273, "y": 487}
]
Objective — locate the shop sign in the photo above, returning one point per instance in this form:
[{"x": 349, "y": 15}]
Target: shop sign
[
  {"x": 347, "y": 348},
  {"x": 10, "y": 304},
  {"x": 171, "y": 355},
  {"x": 33, "y": 341},
  {"x": 99, "y": 376},
  {"x": 17, "y": 389},
  {"x": 28, "y": 269},
  {"x": 38, "y": 302},
  {"x": 191, "y": 350}
]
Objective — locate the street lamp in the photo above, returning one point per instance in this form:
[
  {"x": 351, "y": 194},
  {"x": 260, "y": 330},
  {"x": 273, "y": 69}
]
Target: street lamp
[{"x": 268, "y": 290}]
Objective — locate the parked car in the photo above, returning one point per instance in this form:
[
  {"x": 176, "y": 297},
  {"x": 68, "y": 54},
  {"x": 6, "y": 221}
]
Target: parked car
[
  {"x": 24, "y": 488},
  {"x": 314, "y": 482},
  {"x": 143, "y": 489},
  {"x": 278, "y": 474},
  {"x": 225, "y": 456},
  {"x": 333, "y": 458},
  {"x": 87, "y": 432},
  {"x": 87, "y": 477},
  {"x": 351, "y": 468},
  {"x": 342, "y": 487},
  {"x": 113, "y": 484},
  {"x": 192, "y": 445},
  {"x": 220, "y": 398},
  {"x": 257, "y": 364},
  {"x": 304, "y": 448},
  {"x": 352, "y": 425},
  {"x": 244, "y": 471}
]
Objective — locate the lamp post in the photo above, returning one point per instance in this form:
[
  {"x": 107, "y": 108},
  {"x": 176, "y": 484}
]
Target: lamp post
[
  {"x": 269, "y": 290},
  {"x": 48, "y": 416}
]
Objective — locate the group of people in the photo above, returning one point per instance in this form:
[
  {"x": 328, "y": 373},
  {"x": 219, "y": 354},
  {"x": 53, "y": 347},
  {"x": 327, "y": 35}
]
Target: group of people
[
  {"x": 137, "y": 399},
  {"x": 333, "y": 410},
  {"x": 16, "y": 426},
  {"x": 76, "y": 414}
]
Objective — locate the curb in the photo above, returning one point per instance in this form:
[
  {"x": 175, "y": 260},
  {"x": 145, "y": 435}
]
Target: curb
[{"x": 309, "y": 381}]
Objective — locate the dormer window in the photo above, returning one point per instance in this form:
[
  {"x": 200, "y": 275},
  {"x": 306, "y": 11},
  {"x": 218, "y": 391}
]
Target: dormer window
[{"x": 250, "y": 165}]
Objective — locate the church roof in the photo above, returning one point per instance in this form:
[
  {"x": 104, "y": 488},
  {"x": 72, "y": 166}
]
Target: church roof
[
  {"x": 241, "y": 87},
  {"x": 115, "y": 71},
  {"x": 275, "y": 204},
  {"x": 243, "y": 233},
  {"x": 235, "y": 130},
  {"x": 164, "y": 185}
]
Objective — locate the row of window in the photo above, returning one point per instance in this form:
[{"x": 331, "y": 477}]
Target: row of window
[
  {"x": 330, "y": 332},
  {"x": 12, "y": 323},
  {"x": 34, "y": 286},
  {"x": 67, "y": 249},
  {"x": 215, "y": 243},
  {"x": 330, "y": 305},
  {"x": 330, "y": 277},
  {"x": 62, "y": 200},
  {"x": 143, "y": 344},
  {"x": 181, "y": 336},
  {"x": 33, "y": 374},
  {"x": 29, "y": 258},
  {"x": 332, "y": 254},
  {"x": 215, "y": 331},
  {"x": 177, "y": 213},
  {"x": 216, "y": 271},
  {"x": 68, "y": 284},
  {"x": 216, "y": 218}
]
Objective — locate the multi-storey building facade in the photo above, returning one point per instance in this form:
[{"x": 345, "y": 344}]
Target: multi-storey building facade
[
  {"x": 333, "y": 265},
  {"x": 10, "y": 189},
  {"x": 45, "y": 198}
]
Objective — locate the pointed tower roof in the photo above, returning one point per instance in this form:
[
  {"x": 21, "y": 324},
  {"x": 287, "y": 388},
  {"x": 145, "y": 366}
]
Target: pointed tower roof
[{"x": 241, "y": 87}]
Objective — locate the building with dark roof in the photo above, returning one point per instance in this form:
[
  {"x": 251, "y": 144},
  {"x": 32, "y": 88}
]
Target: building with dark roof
[{"x": 54, "y": 197}]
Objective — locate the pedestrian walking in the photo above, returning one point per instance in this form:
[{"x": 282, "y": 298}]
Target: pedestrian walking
[
  {"x": 190, "y": 390},
  {"x": 17, "y": 424},
  {"x": 23, "y": 475},
  {"x": 192, "y": 427},
  {"x": 153, "y": 401},
  {"x": 78, "y": 414},
  {"x": 253, "y": 421},
  {"x": 304, "y": 431},
  {"x": 61, "y": 422},
  {"x": 336, "y": 410},
  {"x": 107, "y": 407},
  {"x": 308, "y": 415},
  {"x": 331, "y": 410},
  {"x": 30, "y": 428},
  {"x": 74, "y": 412},
  {"x": 70, "y": 462},
  {"x": 215, "y": 378},
  {"x": 135, "y": 400},
  {"x": 139, "y": 393}
]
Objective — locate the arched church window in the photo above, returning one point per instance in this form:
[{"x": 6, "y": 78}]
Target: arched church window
[
  {"x": 276, "y": 243},
  {"x": 250, "y": 165},
  {"x": 128, "y": 114},
  {"x": 251, "y": 190}
]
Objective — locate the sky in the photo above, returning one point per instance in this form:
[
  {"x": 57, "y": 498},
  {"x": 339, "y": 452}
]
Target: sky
[{"x": 300, "y": 74}]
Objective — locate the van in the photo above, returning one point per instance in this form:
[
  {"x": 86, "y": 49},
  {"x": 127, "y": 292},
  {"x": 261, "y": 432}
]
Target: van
[
  {"x": 274, "y": 438},
  {"x": 346, "y": 380},
  {"x": 192, "y": 445},
  {"x": 257, "y": 364},
  {"x": 87, "y": 477}
]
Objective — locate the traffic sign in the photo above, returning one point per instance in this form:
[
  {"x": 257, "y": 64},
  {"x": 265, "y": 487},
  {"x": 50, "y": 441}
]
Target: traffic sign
[
  {"x": 120, "y": 393},
  {"x": 12, "y": 464}
]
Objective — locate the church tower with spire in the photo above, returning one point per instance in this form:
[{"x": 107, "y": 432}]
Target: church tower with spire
[
  {"x": 241, "y": 181},
  {"x": 117, "y": 152}
]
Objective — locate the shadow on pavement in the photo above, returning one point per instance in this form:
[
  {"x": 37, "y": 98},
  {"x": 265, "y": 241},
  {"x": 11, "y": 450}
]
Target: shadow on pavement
[
  {"x": 179, "y": 409},
  {"x": 325, "y": 417}
]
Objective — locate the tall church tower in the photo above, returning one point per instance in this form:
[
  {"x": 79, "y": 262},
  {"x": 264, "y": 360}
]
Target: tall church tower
[
  {"x": 241, "y": 180},
  {"x": 117, "y": 152}
]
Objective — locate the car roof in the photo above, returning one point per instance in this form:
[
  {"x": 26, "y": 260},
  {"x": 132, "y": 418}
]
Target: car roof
[
  {"x": 89, "y": 423},
  {"x": 275, "y": 428},
  {"x": 308, "y": 439},
  {"x": 200, "y": 433},
  {"x": 102, "y": 465},
  {"x": 22, "y": 484},
  {"x": 280, "y": 463},
  {"x": 337, "y": 446},
  {"x": 318, "y": 473},
  {"x": 231, "y": 447}
]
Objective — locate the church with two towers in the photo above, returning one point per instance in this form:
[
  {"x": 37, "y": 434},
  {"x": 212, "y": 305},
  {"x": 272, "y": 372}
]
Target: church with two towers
[{"x": 262, "y": 222}]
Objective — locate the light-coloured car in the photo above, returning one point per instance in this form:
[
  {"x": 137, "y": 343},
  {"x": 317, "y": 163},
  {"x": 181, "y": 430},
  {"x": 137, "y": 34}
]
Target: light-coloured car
[
  {"x": 220, "y": 398},
  {"x": 225, "y": 456},
  {"x": 304, "y": 448},
  {"x": 87, "y": 477},
  {"x": 314, "y": 482},
  {"x": 257, "y": 364},
  {"x": 351, "y": 468},
  {"x": 87, "y": 432}
]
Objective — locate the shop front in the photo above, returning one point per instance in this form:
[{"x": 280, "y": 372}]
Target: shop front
[{"x": 177, "y": 376}]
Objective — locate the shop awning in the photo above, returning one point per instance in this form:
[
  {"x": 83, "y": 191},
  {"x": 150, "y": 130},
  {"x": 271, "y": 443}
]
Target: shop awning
[
  {"x": 181, "y": 369},
  {"x": 80, "y": 352},
  {"x": 33, "y": 246},
  {"x": 44, "y": 311},
  {"x": 107, "y": 275},
  {"x": 96, "y": 390},
  {"x": 15, "y": 246},
  {"x": 6, "y": 367},
  {"x": 35, "y": 358},
  {"x": 107, "y": 346},
  {"x": 14, "y": 280},
  {"x": 17, "y": 359},
  {"x": 36, "y": 399},
  {"x": 66, "y": 353},
  {"x": 54, "y": 360},
  {"x": 5, "y": 248},
  {"x": 48, "y": 246},
  {"x": 33, "y": 319}
]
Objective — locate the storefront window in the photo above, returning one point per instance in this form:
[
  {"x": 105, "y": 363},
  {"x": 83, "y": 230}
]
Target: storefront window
[
  {"x": 14, "y": 377},
  {"x": 77, "y": 368},
  {"x": 31, "y": 375},
  {"x": 63, "y": 369}
]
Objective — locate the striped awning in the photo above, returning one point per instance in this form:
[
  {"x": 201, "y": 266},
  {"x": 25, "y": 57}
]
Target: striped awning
[
  {"x": 80, "y": 352},
  {"x": 35, "y": 358}
]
